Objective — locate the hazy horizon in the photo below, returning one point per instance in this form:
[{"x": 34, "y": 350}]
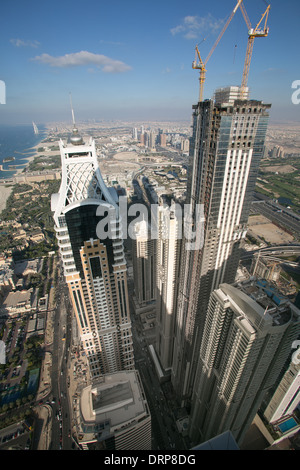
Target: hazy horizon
[{"x": 124, "y": 60}]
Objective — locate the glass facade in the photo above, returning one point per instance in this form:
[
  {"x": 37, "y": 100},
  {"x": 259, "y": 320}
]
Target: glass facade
[
  {"x": 227, "y": 145},
  {"x": 82, "y": 224}
]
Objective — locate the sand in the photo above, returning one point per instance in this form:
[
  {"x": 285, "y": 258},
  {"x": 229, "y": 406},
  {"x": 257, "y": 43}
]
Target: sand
[
  {"x": 4, "y": 194},
  {"x": 263, "y": 227},
  {"x": 6, "y": 189}
]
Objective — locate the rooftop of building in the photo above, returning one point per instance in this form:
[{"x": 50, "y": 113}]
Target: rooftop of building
[
  {"x": 224, "y": 441},
  {"x": 17, "y": 298},
  {"x": 229, "y": 99},
  {"x": 117, "y": 398},
  {"x": 263, "y": 304}
]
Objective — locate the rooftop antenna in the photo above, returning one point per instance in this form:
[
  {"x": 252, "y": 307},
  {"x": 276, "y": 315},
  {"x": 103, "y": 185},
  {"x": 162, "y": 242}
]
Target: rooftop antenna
[
  {"x": 75, "y": 139},
  {"x": 73, "y": 117}
]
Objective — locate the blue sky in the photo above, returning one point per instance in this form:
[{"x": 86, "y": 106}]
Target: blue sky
[{"x": 131, "y": 60}]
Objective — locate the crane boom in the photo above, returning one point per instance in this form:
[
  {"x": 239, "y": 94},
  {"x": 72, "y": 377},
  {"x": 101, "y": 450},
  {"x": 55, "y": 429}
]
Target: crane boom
[
  {"x": 252, "y": 34},
  {"x": 245, "y": 15},
  {"x": 223, "y": 30},
  {"x": 202, "y": 65}
]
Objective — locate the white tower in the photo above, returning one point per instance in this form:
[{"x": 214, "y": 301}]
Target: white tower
[{"x": 94, "y": 268}]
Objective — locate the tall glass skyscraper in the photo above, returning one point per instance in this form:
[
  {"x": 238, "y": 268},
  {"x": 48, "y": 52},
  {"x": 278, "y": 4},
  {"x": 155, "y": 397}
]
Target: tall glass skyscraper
[
  {"x": 94, "y": 268},
  {"x": 226, "y": 148},
  {"x": 167, "y": 262},
  {"x": 143, "y": 260}
]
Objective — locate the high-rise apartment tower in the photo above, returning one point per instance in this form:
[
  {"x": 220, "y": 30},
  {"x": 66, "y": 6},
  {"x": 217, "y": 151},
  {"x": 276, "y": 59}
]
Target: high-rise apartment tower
[
  {"x": 167, "y": 262},
  {"x": 226, "y": 147},
  {"x": 94, "y": 268},
  {"x": 246, "y": 342},
  {"x": 286, "y": 397},
  {"x": 144, "y": 263}
]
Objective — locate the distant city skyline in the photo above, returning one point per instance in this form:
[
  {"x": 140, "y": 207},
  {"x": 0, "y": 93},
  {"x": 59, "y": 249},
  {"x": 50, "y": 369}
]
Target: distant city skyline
[{"x": 127, "y": 61}]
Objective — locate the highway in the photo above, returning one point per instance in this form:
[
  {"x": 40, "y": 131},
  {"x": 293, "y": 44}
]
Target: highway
[
  {"x": 275, "y": 250},
  {"x": 57, "y": 401},
  {"x": 61, "y": 425}
]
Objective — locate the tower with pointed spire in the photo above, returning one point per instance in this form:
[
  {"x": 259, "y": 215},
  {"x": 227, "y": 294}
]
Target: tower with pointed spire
[{"x": 94, "y": 268}]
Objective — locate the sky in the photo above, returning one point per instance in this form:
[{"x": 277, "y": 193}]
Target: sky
[{"x": 132, "y": 60}]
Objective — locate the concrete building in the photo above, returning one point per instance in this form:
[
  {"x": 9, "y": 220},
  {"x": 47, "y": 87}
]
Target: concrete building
[
  {"x": 152, "y": 140},
  {"x": 265, "y": 268},
  {"x": 277, "y": 152},
  {"x": 94, "y": 265},
  {"x": 163, "y": 140},
  {"x": 226, "y": 148},
  {"x": 144, "y": 263},
  {"x": 17, "y": 303},
  {"x": 229, "y": 94},
  {"x": 169, "y": 225},
  {"x": 7, "y": 278},
  {"x": 247, "y": 339},
  {"x": 286, "y": 397},
  {"x": 185, "y": 145},
  {"x": 113, "y": 414}
]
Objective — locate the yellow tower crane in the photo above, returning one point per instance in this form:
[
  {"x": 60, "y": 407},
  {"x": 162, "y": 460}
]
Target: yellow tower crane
[
  {"x": 199, "y": 64},
  {"x": 253, "y": 33}
]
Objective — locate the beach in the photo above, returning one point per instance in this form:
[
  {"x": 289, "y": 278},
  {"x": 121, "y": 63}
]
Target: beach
[
  {"x": 4, "y": 195},
  {"x": 6, "y": 188}
]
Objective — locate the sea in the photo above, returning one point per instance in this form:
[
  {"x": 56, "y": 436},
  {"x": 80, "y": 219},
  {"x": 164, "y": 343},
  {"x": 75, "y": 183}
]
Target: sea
[{"x": 17, "y": 142}]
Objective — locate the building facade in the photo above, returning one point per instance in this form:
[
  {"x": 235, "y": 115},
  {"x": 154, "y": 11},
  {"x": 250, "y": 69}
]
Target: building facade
[
  {"x": 246, "y": 342},
  {"x": 144, "y": 263},
  {"x": 113, "y": 414},
  {"x": 226, "y": 148},
  {"x": 94, "y": 268},
  {"x": 167, "y": 261},
  {"x": 286, "y": 397}
]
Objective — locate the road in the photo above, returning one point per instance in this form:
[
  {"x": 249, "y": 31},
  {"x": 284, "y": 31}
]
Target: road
[
  {"x": 57, "y": 401},
  {"x": 61, "y": 425},
  {"x": 164, "y": 432},
  {"x": 275, "y": 250}
]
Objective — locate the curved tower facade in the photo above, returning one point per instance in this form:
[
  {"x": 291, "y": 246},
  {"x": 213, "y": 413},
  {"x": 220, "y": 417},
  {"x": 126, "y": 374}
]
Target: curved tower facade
[{"x": 94, "y": 266}]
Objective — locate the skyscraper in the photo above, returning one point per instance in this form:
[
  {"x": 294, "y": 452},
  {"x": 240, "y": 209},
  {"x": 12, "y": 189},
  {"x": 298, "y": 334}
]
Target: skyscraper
[
  {"x": 143, "y": 259},
  {"x": 168, "y": 257},
  {"x": 286, "y": 397},
  {"x": 226, "y": 147},
  {"x": 94, "y": 268},
  {"x": 246, "y": 342}
]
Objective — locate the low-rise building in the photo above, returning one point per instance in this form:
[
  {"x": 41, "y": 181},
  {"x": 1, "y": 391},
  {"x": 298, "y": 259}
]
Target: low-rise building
[
  {"x": 16, "y": 303},
  {"x": 112, "y": 413}
]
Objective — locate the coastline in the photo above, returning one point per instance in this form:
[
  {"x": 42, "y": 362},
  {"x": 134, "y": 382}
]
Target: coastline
[
  {"x": 6, "y": 188},
  {"x": 5, "y": 193}
]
